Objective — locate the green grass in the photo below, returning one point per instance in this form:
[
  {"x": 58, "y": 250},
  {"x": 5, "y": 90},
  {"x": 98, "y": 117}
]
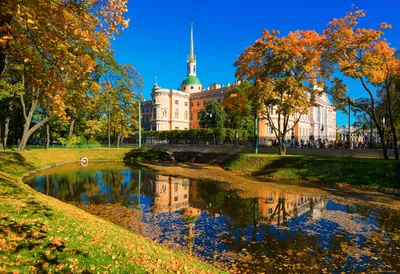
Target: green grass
[
  {"x": 354, "y": 171},
  {"x": 41, "y": 234}
]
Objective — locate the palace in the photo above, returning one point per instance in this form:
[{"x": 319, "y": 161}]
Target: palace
[{"x": 171, "y": 109}]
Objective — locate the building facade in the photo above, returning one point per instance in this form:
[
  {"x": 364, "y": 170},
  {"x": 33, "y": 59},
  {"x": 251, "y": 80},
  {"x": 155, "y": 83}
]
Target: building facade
[{"x": 171, "y": 109}]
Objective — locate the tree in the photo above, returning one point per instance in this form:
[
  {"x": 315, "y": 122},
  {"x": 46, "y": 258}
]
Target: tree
[
  {"x": 212, "y": 116},
  {"x": 362, "y": 54},
  {"x": 281, "y": 71},
  {"x": 121, "y": 86},
  {"x": 56, "y": 42},
  {"x": 238, "y": 108}
]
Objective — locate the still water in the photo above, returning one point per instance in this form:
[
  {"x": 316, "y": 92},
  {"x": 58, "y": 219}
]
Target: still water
[{"x": 268, "y": 232}]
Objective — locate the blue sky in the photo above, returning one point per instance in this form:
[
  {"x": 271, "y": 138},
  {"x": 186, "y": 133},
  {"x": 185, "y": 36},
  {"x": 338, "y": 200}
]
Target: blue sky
[{"x": 157, "y": 40}]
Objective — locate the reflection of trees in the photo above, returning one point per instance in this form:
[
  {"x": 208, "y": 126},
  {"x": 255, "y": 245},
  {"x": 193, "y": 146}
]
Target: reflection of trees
[
  {"x": 220, "y": 200},
  {"x": 106, "y": 186},
  {"x": 279, "y": 215},
  {"x": 276, "y": 244},
  {"x": 385, "y": 240}
]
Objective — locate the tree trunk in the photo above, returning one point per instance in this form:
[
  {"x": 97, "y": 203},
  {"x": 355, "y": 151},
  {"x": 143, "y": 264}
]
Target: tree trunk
[
  {"x": 28, "y": 131},
  {"x": 6, "y": 125},
  {"x": 71, "y": 127},
  {"x": 282, "y": 146},
  {"x": 1, "y": 139},
  {"x": 382, "y": 137},
  {"x": 392, "y": 128},
  {"x": 48, "y": 136},
  {"x": 118, "y": 138},
  {"x": 6, "y": 130}
]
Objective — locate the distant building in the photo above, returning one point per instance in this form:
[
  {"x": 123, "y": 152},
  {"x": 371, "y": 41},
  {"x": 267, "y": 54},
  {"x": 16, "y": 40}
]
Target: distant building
[{"x": 171, "y": 109}]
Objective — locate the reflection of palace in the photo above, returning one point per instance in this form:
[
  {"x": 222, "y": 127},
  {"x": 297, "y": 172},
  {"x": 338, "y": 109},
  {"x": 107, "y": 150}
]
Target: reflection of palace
[
  {"x": 273, "y": 205},
  {"x": 173, "y": 194},
  {"x": 170, "y": 194}
]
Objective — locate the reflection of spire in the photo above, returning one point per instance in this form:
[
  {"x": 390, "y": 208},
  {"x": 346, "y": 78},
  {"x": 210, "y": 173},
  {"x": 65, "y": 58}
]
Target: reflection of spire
[
  {"x": 139, "y": 183},
  {"x": 190, "y": 217}
]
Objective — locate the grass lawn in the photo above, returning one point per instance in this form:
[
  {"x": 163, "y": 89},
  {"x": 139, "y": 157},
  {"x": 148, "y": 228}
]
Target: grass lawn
[
  {"x": 41, "y": 234},
  {"x": 354, "y": 171}
]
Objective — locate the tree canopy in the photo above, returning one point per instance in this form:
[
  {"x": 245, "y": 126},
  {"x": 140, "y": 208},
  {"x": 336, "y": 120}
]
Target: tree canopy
[{"x": 283, "y": 70}]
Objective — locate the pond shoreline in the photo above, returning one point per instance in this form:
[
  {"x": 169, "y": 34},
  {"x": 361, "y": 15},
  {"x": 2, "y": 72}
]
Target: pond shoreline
[
  {"x": 78, "y": 240},
  {"x": 251, "y": 184}
]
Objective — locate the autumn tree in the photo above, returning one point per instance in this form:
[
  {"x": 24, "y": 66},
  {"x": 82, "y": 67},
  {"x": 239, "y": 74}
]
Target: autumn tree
[
  {"x": 56, "y": 42},
  {"x": 238, "y": 108},
  {"x": 282, "y": 71},
  {"x": 362, "y": 54}
]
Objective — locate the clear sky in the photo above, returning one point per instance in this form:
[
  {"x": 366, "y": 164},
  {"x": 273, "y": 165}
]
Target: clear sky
[{"x": 157, "y": 40}]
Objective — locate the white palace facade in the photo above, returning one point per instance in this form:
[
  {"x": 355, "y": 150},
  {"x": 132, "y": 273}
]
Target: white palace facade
[{"x": 172, "y": 109}]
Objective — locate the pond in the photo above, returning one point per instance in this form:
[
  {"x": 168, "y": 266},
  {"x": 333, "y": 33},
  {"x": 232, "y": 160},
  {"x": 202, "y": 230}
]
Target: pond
[{"x": 268, "y": 232}]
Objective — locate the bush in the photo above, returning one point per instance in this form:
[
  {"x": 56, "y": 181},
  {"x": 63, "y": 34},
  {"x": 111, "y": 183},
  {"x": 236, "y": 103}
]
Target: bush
[{"x": 147, "y": 155}]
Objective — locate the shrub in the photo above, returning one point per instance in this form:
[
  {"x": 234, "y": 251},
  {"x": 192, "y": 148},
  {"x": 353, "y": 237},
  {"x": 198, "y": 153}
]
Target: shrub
[{"x": 147, "y": 155}]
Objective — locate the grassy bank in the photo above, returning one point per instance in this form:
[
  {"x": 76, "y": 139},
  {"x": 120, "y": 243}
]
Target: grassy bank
[
  {"x": 41, "y": 234},
  {"x": 354, "y": 171}
]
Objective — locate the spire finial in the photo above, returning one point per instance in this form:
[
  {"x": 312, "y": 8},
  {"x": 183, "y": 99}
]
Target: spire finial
[
  {"x": 191, "y": 56},
  {"x": 155, "y": 86}
]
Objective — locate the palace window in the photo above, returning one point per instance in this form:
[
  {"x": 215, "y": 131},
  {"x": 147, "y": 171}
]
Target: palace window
[
  {"x": 186, "y": 104},
  {"x": 191, "y": 87},
  {"x": 176, "y": 185},
  {"x": 185, "y": 115},
  {"x": 176, "y": 113},
  {"x": 176, "y": 102}
]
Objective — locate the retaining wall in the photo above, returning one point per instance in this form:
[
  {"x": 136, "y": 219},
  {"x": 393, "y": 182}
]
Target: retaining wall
[{"x": 357, "y": 153}]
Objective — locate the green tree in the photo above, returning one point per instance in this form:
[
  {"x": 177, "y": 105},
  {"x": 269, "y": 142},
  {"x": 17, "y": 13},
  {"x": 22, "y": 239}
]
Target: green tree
[
  {"x": 212, "y": 116},
  {"x": 121, "y": 86}
]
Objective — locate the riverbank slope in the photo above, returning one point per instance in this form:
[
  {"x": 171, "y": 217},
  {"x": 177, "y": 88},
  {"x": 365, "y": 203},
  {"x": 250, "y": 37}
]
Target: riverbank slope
[
  {"x": 363, "y": 172},
  {"x": 42, "y": 234}
]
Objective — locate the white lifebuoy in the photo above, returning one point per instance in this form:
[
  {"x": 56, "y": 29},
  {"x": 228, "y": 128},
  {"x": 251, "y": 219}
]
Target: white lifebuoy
[{"x": 84, "y": 161}]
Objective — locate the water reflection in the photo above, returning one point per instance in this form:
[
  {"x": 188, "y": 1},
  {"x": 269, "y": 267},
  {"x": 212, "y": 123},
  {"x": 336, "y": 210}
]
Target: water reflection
[{"x": 270, "y": 232}]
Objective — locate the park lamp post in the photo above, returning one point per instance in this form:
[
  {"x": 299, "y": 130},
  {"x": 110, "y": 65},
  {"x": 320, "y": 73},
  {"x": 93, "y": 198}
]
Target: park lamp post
[
  {"x": 349, "y": 102},
  {"x": 348, "y": 98},
  {"x": 255, "y": 133},
  {"x": 139, "y": 126}
]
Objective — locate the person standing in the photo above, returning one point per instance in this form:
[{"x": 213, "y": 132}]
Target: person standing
[{"x": 311, "y": 139}]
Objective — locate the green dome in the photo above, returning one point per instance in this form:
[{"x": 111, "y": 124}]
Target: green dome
[{"x": 191, "y": 80}]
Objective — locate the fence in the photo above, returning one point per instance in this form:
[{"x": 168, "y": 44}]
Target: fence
[{"x": 38, "y": 146}]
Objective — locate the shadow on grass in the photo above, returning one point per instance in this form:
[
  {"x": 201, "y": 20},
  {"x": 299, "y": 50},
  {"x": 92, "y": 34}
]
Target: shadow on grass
[
  {"x": 14, "y": 163},
  {"x": 30, "y": 236},
  {"x": 271, "y": 168}
]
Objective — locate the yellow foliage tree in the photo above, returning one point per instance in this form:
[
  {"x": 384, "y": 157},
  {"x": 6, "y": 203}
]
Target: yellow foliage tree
[{"x": 282, "y": 71}]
